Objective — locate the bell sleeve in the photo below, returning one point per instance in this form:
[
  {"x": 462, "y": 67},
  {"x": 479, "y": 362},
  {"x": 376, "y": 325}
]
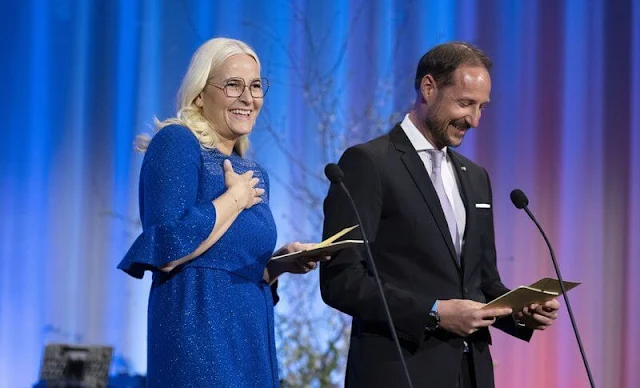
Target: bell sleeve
[{"x": 173, "y": 225}]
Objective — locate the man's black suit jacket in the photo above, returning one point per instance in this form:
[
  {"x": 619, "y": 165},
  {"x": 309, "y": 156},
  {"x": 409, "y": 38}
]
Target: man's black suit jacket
[{"x": 416, "y": 260}]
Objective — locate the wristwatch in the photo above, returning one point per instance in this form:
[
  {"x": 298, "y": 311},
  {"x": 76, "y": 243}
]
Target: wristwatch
[{"x": 433, "y": 321}]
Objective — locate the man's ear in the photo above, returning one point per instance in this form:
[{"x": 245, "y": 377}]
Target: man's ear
[
  {"x": 428, "y": 87},
  {"x": 198, "y": 101}
]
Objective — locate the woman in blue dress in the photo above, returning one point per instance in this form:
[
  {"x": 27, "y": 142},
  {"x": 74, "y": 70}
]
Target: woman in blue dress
[{"x": 208, "y": 233}]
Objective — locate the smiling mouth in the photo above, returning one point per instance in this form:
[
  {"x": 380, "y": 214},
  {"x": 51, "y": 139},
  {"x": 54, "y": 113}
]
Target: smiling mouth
[
  {"x": 462, "y": 128},
  {"x": 241, "y": 113}
]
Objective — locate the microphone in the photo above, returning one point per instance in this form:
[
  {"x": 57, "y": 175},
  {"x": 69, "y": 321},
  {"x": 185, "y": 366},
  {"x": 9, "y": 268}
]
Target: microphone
[
  {"x": 336, "y": 176},
  {"x": 520, "y": 201}
]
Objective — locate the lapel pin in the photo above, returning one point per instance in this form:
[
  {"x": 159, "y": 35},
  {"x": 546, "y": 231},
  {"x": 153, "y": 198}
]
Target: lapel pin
[{"x": 463, "y": 168}]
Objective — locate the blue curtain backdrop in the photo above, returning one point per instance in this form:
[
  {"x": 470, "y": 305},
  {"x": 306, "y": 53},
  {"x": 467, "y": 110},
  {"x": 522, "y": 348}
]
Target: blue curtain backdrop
[{"x": 81, "y": 78}]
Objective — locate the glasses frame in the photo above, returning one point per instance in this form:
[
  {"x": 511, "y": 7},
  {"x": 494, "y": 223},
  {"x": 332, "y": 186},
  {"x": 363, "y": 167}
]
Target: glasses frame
[{"x": 264, "y": 84}]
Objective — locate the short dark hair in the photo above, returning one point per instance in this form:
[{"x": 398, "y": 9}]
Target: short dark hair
[{"x": 442, "y": 60}]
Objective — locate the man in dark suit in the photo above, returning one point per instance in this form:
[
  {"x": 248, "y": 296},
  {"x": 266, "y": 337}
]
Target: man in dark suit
[{"x": 427, "y": 211}]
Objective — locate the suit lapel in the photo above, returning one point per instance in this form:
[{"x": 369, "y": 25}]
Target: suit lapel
[
  {"x": 466, "y": 192},
  {"x": 420, "y": 177}
]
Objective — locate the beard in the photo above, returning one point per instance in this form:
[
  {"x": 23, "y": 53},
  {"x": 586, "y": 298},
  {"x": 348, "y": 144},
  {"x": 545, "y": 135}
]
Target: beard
[
  {"x": 441, "y": 135},
  {"x": 438, "y": 130}
]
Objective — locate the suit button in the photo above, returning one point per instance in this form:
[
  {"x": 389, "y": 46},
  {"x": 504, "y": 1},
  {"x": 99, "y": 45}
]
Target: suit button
[{"x": 465, "y": 291}]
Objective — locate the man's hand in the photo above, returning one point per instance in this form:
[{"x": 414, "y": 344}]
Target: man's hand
[
  {"x": 538, "y": 316},
  {"x": 464, "y": 317},
  {"x": 302, "y": 264}
]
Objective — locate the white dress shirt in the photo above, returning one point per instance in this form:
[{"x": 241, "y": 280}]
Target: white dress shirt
[{"x": 449, "y": 180}]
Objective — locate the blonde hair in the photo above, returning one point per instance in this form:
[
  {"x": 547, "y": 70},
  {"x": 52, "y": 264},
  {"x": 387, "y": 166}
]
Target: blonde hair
[{"x": 207, "y": 60}]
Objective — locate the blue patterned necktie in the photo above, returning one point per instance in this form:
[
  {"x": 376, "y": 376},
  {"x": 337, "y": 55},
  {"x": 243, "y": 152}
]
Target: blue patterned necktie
[{"x": 436, "y": 178}]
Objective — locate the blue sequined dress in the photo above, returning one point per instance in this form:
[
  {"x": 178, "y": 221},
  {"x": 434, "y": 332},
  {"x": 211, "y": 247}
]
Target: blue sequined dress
[{"x": 210, "y": 321}]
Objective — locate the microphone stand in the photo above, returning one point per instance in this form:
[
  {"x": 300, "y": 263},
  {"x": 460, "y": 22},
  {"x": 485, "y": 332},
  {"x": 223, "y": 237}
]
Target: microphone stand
[
  {"x": 378, "y": 283},
  {"x": 564, "y": 295}
]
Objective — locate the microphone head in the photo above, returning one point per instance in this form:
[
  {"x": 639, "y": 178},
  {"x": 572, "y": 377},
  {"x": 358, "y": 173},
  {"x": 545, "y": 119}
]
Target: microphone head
[
  {"x": 334, "y": 173},
  {"x": 519, "y": 199}
]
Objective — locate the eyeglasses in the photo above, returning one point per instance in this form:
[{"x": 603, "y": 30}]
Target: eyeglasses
[{"x": 234, "y": 87}]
